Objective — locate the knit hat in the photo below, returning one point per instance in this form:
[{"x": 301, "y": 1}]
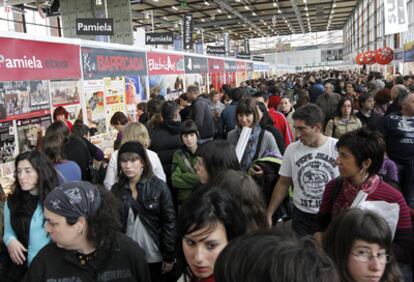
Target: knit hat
[{"x": 132, "y": 147}]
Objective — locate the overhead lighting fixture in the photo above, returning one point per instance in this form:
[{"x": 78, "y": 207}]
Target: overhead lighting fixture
[
  {"x": 165, "y": 18},
  {"x": 274, "y": 4},
  {"x": 219, "y": 11},
  {"x": 174, "y": 8},
  {"x": 246, "y": 7},
  {"x": 254, "y": 14},
  {"x": 206, "y": 3},
  {"x": 97, "y": 2},
  {"x": 279, "y": 11},
  {"x": 156, "y": 1},
  {"x": 229, "y": 16}
]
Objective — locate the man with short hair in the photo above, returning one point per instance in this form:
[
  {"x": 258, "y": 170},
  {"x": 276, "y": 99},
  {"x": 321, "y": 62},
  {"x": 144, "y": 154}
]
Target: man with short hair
[
  {"x": 308, "y": 164},
  {"x": 227, "y": 120},
  {"x": 398, "y": 131},
  {"x": 408, "y": 81},
  {"x": 396, "y": 92},
  {"x": 201, "y": 113},
  {"x": 328, "y": 102}
]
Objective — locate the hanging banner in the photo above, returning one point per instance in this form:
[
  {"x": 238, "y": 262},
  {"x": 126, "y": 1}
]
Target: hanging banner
[
  {"x": 95, "y": 26},
  {"x": 32, "y": 60},
  {"x": 230, "y": 66},
  {"x": 161, "y": 38},
  {"x": 395, "y": 16},
  {"x": 249, "y": 67},
  {"x": 159, "y": 63},
  {"x": 216, "y": 50},
  {"x": 409, "y": 52},
  {"x": 188, "y": 32},
  {"x": 99, "y": 63},
  {"x": 195, "y": 64},
  {"x": 226, "y": 39},
  {"x": 258, "y": 58},
  {"x": 215, "y": 66},
  {"x": 246, "y": 45},
  {"x": 24, "y": 99},
  {"x": 241, "y": 66},
  {"x": 243, "y": 56}
]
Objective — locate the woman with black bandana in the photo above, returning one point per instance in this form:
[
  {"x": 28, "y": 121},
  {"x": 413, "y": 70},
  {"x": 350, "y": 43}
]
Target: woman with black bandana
[
  {"x": 83, "y": 225},
  {"x": 24, "y": 234}
]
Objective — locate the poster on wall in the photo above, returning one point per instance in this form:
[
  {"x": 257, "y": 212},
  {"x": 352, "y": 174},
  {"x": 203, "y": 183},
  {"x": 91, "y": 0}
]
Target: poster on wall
[
  {"x": 29, "y": 129},
  {"x": 66, "y": 94},
  {"x": 24, "y": 99},
  {"x": 114, "y": 96},
  {"x": 166, "y": 73},
  {"x": 230, "y": 68},
  {"x": 95, "y": 104},
  {"x": 136, "y": 92},
  {"x": 241, "y": 72},
  {"x": 7, "y": 142}
]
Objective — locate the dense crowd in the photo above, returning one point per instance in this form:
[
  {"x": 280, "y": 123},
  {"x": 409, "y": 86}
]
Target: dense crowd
[{"x": 303, "y": 177}]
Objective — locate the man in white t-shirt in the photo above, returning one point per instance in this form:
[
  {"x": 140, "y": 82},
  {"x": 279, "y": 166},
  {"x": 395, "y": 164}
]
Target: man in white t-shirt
[{"x": 308, "y": 164}]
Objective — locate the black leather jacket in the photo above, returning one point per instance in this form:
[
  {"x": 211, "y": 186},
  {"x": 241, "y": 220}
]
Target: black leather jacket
[{"x": 157, "y": 212}]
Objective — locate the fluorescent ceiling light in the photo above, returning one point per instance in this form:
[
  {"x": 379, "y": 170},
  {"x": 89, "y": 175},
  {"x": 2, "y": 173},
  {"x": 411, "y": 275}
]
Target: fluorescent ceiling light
[{"x": 174, "y": 8}]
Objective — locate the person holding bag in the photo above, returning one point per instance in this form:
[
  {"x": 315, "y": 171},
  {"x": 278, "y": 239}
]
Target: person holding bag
[{"x": 147, "y": 210}]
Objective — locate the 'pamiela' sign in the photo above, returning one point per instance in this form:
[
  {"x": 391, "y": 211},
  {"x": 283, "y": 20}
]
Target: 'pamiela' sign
[{"x": 95, "y": 26}]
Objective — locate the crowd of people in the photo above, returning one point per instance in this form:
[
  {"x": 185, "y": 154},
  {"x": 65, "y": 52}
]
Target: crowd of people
[{"x": 303, "y": 177}]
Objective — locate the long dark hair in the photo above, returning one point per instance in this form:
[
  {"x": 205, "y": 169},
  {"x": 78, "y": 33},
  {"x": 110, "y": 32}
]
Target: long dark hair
[
  {"x": 247, "y": 195},
  {"x": 206, "y": 208},
  {"x": 354, "y": 225},
  {"x": 56, "y": 136},
  {"x": 22, "y": 204},
  {"x": 218, "y": 155}
]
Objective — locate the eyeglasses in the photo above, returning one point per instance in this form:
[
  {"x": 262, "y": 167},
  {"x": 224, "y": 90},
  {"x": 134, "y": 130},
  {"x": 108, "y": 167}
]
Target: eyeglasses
[{"x": 366, "y": 256}]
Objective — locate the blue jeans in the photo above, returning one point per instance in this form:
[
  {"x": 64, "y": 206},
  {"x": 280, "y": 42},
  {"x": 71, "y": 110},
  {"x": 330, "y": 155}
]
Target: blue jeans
[{"x": 302, "y": 222}]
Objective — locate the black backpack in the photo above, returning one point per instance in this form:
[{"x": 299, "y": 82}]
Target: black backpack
[{"x": 270, "y": 166}]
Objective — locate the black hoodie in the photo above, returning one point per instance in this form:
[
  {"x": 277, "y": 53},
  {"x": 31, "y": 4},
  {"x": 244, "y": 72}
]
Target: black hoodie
[{"x": 165, "y": 140}]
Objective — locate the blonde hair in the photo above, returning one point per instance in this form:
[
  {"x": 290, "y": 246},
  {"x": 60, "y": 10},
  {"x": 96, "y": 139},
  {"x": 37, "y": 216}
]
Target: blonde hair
[{"x": 136, "y": 131}]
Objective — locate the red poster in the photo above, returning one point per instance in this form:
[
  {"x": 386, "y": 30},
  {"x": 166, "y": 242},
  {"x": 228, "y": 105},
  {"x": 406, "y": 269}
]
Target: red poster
[
  {"x": 241, "y": 66},
  {"x": 215, "y": 65},
  {"x": 34, "y": 60},
  {"x": 159, "y": 63}
]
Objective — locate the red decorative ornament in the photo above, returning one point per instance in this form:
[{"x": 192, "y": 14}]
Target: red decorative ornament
[
  {"x": 384, "y": 56},
  {"x": 358, "y": 59},
  {"x": 369, "y": 57}
]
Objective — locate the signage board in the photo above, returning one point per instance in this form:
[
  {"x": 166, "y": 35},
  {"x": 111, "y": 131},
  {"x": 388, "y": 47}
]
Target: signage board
[
  {"x": 160, "y": 63},
  {"x": 244, "y": 56},
  {"x": 195, "y": 64},
  {"x": 216, "y": 50},
  {"x": 99, "y": 63},
  {"x": 22, "y": 59},
  {"x": 95, "y": 26},
  {"x": 188, "y": 32},
  {"x": 159, "y": 38},
  {"x": 258, "y": 58}
]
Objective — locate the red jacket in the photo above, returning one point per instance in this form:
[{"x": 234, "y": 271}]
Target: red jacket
[{"x": 281, "y": 124}]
